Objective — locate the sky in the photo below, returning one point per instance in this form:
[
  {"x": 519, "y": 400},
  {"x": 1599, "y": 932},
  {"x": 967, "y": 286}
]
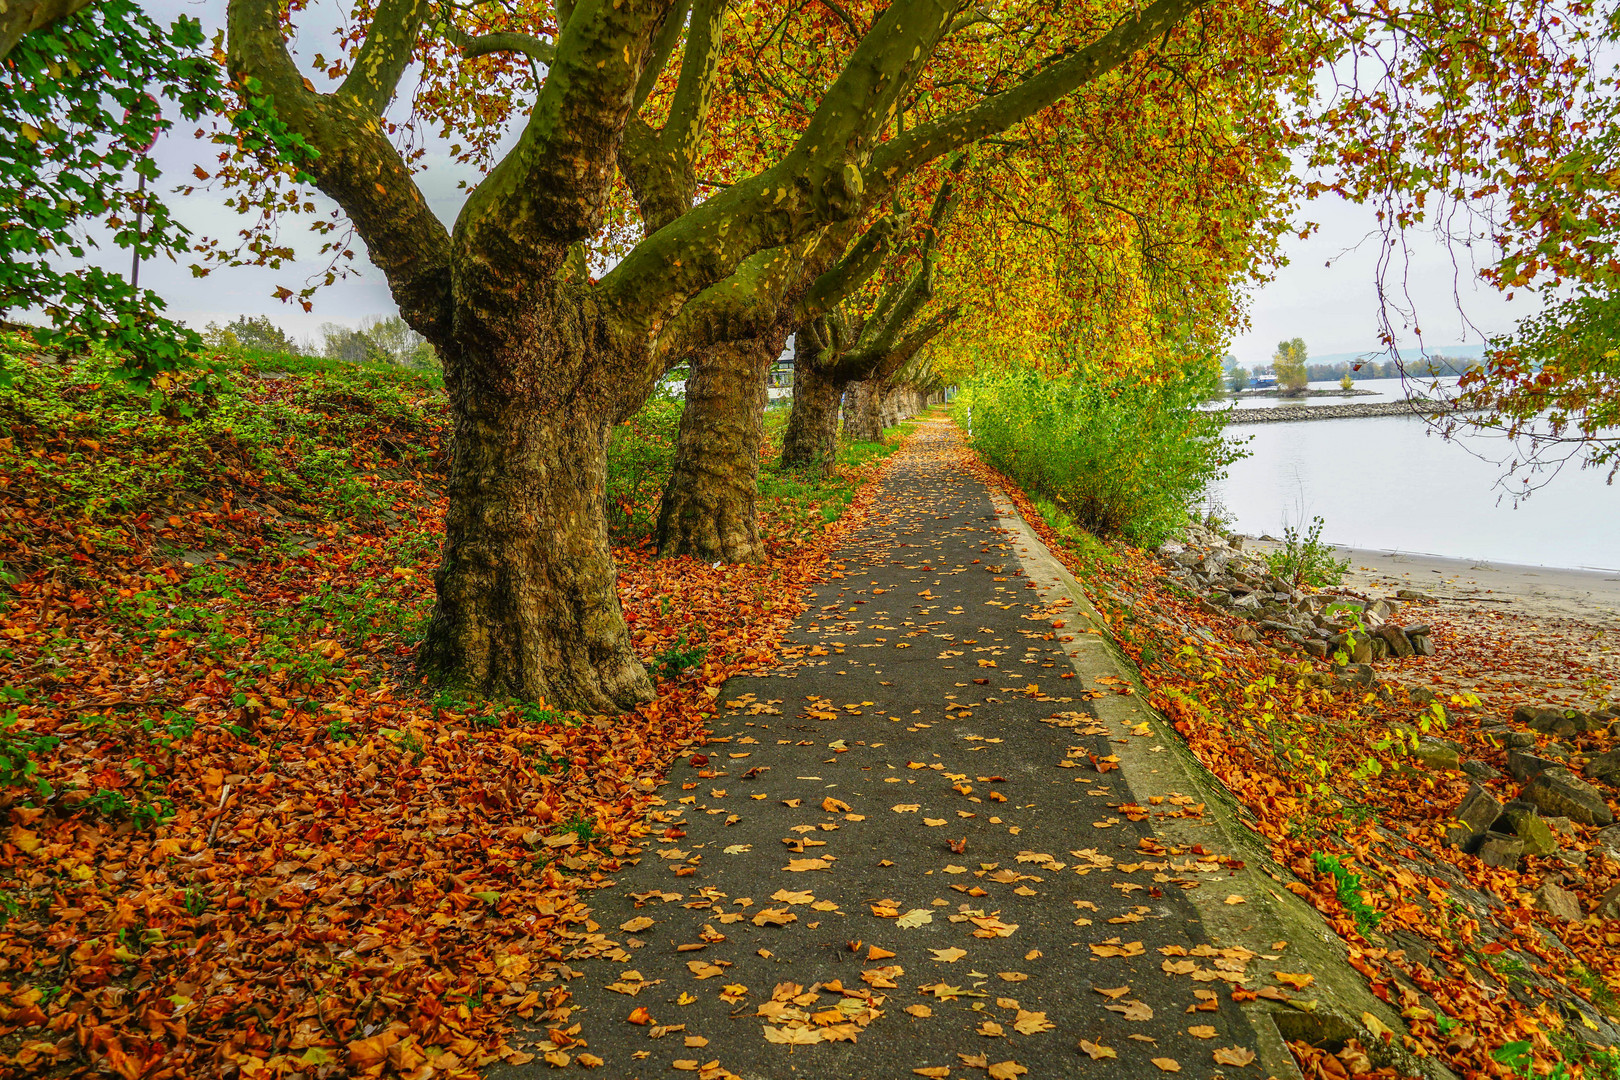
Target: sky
[{"x": 1326, "y": 294}]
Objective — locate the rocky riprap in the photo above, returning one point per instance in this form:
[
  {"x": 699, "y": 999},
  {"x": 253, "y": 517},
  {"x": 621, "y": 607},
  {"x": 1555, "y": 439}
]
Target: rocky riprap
[
  {"x": 1230, "y": 581},
  {"x": 1560, "y": 786}
]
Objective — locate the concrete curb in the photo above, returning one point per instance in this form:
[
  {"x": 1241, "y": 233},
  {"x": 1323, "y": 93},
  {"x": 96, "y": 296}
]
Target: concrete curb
[{"x": 1161, "y": 763}]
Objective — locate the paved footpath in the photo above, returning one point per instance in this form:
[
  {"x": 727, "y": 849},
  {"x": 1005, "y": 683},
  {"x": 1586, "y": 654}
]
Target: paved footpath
[{"x": 907, "y": 851}]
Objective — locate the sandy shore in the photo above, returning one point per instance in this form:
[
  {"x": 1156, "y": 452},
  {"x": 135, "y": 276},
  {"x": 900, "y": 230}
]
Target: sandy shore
[{"x": 1591, "y": 596}]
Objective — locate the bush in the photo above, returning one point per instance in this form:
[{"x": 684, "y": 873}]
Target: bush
[
  {"x": 1122, "y": 458},
  {"x": 1306, "y": 560},
  {"x": 641, "y": 454}
]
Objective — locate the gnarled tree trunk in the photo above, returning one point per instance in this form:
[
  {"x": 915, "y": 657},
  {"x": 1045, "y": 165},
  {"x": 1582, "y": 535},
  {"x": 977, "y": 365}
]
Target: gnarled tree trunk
[
  {"x": 811, "y": 439},
  {"x": 527, "y": 605},
  {"x": 709, "y": 503},
  {"x": 861, "y": 420}
]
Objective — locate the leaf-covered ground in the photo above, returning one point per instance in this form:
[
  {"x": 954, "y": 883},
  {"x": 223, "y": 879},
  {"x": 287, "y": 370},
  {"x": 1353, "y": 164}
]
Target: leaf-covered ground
[
  {"x": 1487, "y": 979},
  {"x": 241, "y": 837}
]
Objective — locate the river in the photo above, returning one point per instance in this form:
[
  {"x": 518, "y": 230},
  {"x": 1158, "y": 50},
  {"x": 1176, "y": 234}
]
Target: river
[{"x": 1389, "y": 483}]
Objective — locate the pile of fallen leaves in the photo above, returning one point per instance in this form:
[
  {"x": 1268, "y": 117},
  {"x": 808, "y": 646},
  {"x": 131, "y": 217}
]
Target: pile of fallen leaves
[
  {"x": 1486, "y": 979},
  {"x": 242, "y": 837}
]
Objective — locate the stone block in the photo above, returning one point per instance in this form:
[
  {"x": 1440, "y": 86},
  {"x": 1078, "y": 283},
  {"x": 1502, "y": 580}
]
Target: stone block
[
  {"x": 1558, "y": 791},
  {"x": 1476, "y": 813}
]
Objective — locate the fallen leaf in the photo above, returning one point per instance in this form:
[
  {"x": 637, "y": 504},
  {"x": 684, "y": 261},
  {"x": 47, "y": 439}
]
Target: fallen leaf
[
  {"x": 1132, "y": 1010},
  {"x": 1115, "y": 993},
  {"x": 1167, "y": 1064},
  {"x": 1288, "y": 978},
  {"x": 919, "y": 1010},
  {"x": 1097, "y": 1050},
  {"x": 1233, "y": 1055},
  {"x": 1201, "y": 1031},
  {"x": 1006, "y": 1070},
  {"x": 639, "y": 923},
  {"x": 948, "y": 956},
  {"x": 914, "y": 918},
  {"x": 1031, "y": 1023}
]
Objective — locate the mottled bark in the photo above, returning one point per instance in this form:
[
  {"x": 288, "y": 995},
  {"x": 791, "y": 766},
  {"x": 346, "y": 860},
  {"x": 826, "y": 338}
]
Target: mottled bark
[
  {"x": 811, "y": 439},
  {"x": 709, "y": 504},
  {"x": 19, "y": 17},
  {"x": 527, "y": 604},
  {"x": 862, "y": 422}
]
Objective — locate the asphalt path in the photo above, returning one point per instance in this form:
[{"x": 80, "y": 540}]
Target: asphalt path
[{"x": 905, "y": 852}]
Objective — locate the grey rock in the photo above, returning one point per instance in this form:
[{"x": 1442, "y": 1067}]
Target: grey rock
[
  {"x": 1422, "y": 695},
  {"x": 1479, "y": 770},
  {"x": 1415, "y": 596},
  {"x": 1317, "y": 648},
  {"x": 1526, "y": 824},
  {"x": 1380, "y": 609},
  {"x": 1356, "y": 675},
  {"x": 1557, "y": 791},
  {"x": 1608, "y": 906},
  {"x": 1605, "y": 767},
  {"x": 1608, "y": 842},
  {"x": 1503, "y": 736},
  {"x": 1560, "y": 904},
  {"x": 1435, "y": 754},
  {"x": 1500, "y": 849},
  {"x": 1419, "y": 630},
  {"x": 1476, "y": 813},
  {"x": 1275, "y": 626},
  {"x": 1208, "y": 608},
  {"x": 1571, "y": 857},
  {"x": 1422, "y": 644},
  {"x": 1245, "y": 633},
  {"x": 1563, "y": 827},
  {"x": 1170, "y": 548},
  {"x": 1215, "y": 562},
  {"x": 1526, "y": 766},
  {"x": 1251, "y": 602},
  {"x": 1396, "y": 639},
  {"x": 1361, "y": 652}
]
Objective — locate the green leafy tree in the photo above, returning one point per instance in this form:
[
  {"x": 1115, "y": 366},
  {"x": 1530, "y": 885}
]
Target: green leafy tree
[
  {"x": 1289, "y": 361},
  {"x": 249, "y": 332},
  {"x": 82, "y": 95}
]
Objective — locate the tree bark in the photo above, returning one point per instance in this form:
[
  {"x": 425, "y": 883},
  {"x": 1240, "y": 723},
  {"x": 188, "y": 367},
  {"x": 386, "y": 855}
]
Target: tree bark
[
  {"x": 709, "y": 504},
  {"x": 811, "y": 439},
  {"x": 527, "y": 604},
  {"x": 861, "y": 420}
]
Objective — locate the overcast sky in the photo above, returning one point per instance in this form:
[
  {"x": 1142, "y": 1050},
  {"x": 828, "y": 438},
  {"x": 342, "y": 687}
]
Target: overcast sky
[{"x": 1326, "y": 295}]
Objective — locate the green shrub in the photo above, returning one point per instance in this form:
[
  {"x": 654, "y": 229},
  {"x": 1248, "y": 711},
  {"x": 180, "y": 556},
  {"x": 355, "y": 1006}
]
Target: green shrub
[
  {"x": 1305, "y": 560},
  {"x": 641, "y": 454},
  {"x": 1121, "y": 458}
]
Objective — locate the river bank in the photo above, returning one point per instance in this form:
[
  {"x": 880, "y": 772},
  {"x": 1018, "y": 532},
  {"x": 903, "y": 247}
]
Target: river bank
[{"x": 1282, "y": 414}]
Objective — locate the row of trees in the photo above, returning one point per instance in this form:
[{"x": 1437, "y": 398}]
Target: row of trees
[{"x": 911, "y": 191}]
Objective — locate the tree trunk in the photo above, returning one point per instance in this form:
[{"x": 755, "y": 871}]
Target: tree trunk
[
  {"x": 811, "y": 439},
  {"x": 861, "y": 420},
  {"x": 709, "y": 505},
  {"x": 527, "y": 602}
]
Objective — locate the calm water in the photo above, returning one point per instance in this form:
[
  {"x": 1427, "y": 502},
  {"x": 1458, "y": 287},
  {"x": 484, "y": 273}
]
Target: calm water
[
  {"x": 1387, "y": 483},
  {"x": 1382, "y": 389}
]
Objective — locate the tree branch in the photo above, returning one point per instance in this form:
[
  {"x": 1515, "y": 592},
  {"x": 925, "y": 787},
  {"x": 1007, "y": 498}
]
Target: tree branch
[
  {"x": 663, "y": 45},
  {"x": 390, "y": 40},
  {"x": 355, "y": 164},
  {"x": 899, "y": 157},
  {"x": 25, "y": 16}
]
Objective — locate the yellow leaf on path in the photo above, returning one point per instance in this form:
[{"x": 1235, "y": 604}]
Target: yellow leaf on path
[
  {"x": 590, "y": 1061},
  {"x": 920, "y": 1010},
  {"x": 906, "y": 808},
  {"x": 991, "y": 1029},
  {"x": 686, "y": 1064},
  {"x": 1006, "y": 1070},
  {"x": 702, "y": 970},
  {"x": 875, "y": 953},
  {"x": 1031, "y": 1023},
  {"x": 775, "y": 917},
  {"x": 785, "y": 897},
  {"x": 796, "y": 1036},
  {"x": 696, "y": 1042},
  {"x": 1288, "y": 978},
  {"x": 948, "y": 956},
  {"x": 1115, "y": 993},
  {"x": 933, "y": 821},
  {"x": 1132, "y": 1010},
  {"x": 834, "y": 806},
  {"x": 1201, "y": 1031},
  {"x": 1011, "y": 976},
  {"x": 956, "y": 869},
  {"x": 640, "y": 922},
  {"x": 1168, "y": 1064},
  {"x": 801, "y": 865},
  {"x": 1236, "y": 899},
  {"x": 557, "y": 1059},
  {"x": 1097, "y": 1050},
  {"x": 938, "y": 1072},
  {"x": 1233, "y": 1055},
  {"x": 914, "y": 918},
  {"x": 1114, "y": 947}
]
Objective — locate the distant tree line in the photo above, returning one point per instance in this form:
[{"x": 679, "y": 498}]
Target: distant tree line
[{"x": 378, "y": 340}]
